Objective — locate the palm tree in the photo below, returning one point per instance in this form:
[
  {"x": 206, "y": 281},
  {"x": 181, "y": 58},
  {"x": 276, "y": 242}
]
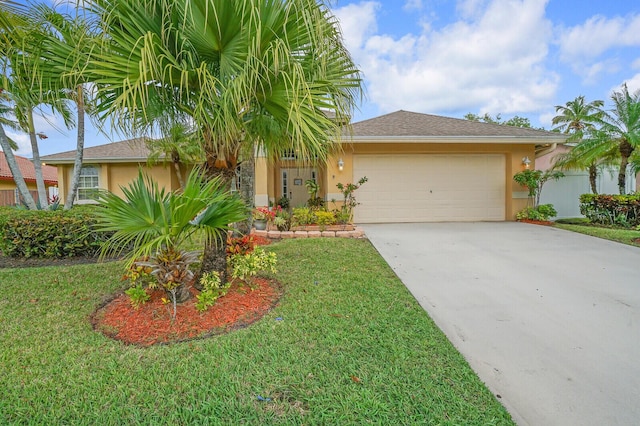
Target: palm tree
[
  {"x": 23, "y": 63},
  {"x": 178, "y": 146},
  {"x": 10, "y": 22},
  {"x": 576, "y": 118},
  {"x": 249, "y": 74},
  {"x": 622, "y": 127},
  {"x": 68, "y": 41},
  {"x": 150, "y": 222}
]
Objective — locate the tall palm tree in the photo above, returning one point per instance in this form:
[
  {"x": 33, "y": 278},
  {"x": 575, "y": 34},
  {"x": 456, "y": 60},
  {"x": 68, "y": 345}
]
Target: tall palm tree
[
  {"x": 577, "y": 118},
  {"x": 66, "y": 46},
  {"x": 10, "y": 22},
  {"x": 28, "y": 93},
  {"x": 622, "y": 127},
  {"x": 250, "y": 74}
]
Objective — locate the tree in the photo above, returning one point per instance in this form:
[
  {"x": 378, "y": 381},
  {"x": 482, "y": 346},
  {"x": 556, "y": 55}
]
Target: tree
[
  {"x": 534, "y": 180},
  {"x": 27, "y": 93},
  {"x": 249, "y": 74},
  {"x": 515, "y": 121},
  {"x": 67, "y": 45},
  {"x": 10, "y": 22},
  {"x": 578, "y": 118},
  {"x": 621, "y": 125},
  {"x": 178, "y": 146}
]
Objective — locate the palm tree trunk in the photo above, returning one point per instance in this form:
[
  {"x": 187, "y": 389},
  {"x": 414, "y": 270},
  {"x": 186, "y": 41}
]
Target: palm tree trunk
[
  {"x": 15, "y": 171},
  {"x": 593, "y": 175},
  {"x": 77, "y": 164},
  {"x": 43, "y": 200},
  {"x": 175, "y": 159},
  {"x": 622, "y": 175},
  {"x": 247, "y": 191},
  {"x": 214, "y": 257},
  {"x": 626, "y": 149}
]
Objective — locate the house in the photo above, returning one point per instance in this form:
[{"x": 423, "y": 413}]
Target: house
[
  {"x": 565, "y": 193},
  {"x": 109, "y": 167},
  {"x": 420, "y": 168},
  {"x": 9, "y": 195}
]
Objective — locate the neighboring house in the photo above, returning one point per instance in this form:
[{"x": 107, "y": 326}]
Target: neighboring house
[
  {"x": 9, "y": 195},
  {"x": 420, "y": 168},
  {"x": 109, "y": 166},
  {"x": 565, "y": 193}
]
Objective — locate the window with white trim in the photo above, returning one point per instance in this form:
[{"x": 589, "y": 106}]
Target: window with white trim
[{"x": 88, "y": 183}]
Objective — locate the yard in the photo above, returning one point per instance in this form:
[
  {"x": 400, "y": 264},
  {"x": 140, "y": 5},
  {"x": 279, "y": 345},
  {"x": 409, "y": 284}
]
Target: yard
[{"x": 347, "y": 344}]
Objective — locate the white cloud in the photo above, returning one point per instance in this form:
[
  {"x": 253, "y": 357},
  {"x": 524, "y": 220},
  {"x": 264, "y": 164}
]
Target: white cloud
[
  {"x": 358, "y": 22},
  {"x": 493, "y": 62},
  {"x": 633, "y": 83},
  {"x": 582, "y": 46},
  {"x": 413, "y": 5},
  {"x": 22, "y": 140},
  {"x": 597, "y": 35}
]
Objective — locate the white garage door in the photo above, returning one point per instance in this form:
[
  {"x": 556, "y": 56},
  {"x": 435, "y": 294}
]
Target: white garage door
[{"x": 430, "y": 188}]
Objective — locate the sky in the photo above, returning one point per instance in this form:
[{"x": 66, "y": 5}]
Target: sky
[{"x": 445, "y": 57}]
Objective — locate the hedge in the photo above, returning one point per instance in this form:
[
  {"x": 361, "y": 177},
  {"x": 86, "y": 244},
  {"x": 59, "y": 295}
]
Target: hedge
[
  {"x": 623, "y": 210},
  {"x": 50, "y": 234}
]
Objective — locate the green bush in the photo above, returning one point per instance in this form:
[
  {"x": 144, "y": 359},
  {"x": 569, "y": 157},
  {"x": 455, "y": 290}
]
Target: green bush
[
  {"x": 50, "y": 234},
  {"x": 622, "y": 210},
  {"x": 302, "y": 216},
  {"x": 541, "y": 212}
]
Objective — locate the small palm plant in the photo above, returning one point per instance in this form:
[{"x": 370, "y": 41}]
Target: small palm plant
[{"x": 151, "y": 222}]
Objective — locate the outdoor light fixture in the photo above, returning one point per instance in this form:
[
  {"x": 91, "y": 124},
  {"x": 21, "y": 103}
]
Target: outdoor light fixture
[
  {"x": 340, "y": 164},
  {"x": 526, "y": 162}
]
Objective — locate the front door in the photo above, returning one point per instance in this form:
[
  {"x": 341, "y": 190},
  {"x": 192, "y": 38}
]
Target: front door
[{"x": 292, "y": 184}]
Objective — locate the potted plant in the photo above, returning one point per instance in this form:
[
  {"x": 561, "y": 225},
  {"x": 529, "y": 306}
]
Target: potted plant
[{"x": 261, "y": 216}]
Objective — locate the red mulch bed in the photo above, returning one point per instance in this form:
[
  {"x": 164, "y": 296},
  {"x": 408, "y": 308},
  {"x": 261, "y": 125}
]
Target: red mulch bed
[{"x": 152, "y": 324}]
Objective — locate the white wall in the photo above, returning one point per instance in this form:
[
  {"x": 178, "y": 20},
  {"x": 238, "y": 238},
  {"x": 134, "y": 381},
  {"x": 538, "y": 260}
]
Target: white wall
[{"x": 565, "y": 193}]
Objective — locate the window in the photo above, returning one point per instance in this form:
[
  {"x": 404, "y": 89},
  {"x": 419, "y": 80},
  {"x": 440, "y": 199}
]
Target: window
[
  {"x": 285, "y": 184},
  {"x": 88, "y": 183}
]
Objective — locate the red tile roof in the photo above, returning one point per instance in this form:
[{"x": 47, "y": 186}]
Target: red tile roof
[{"x": 49, "y": 173}]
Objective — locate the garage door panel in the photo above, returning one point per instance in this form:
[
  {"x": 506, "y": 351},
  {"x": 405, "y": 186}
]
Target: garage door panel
[{"x": 424, "y": 188}]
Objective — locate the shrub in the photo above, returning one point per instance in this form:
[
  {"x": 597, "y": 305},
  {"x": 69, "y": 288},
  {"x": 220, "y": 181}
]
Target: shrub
[
  {"x": 248, "y": 265},
  {"x": 324, "y": 219},
  {"x": 302, "y": 216},
  {"x": 212, "y": 289},
  {"x": 622, "y": 210},
  {"x": 50, "y": 234},
  {"x": 541, "y": 212}
]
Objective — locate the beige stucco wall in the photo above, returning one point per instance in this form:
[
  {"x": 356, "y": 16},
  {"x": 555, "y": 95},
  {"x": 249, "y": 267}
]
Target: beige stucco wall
[
  {"x": 515, "y": 195},
  {"x": 114, "y": 175}
]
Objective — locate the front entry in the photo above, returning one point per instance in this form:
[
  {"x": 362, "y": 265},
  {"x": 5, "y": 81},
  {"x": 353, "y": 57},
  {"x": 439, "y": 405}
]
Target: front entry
[{"x": 292, "y": 184}]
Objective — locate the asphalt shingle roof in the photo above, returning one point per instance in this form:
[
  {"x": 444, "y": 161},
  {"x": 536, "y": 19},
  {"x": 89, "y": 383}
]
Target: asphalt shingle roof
[
  {"x": 405, "y": 124},
  {"x": 131, "y": 149},
  {"x": 49, "y": 173}
]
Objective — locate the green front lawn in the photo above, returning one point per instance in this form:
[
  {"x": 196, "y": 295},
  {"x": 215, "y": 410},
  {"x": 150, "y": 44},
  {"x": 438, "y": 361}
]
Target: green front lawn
[
  {"x": 347, "y": 344},
  {"x": 626, "y": 236}
]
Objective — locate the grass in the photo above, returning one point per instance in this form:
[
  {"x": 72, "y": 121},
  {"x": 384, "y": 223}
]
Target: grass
[
  {"x": 350, "y": 346},
  {"x": 621, "y": 235}
]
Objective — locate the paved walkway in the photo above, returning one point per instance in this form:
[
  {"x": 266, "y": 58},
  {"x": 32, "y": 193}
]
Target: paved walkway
[{"x": 549, "y": 319}]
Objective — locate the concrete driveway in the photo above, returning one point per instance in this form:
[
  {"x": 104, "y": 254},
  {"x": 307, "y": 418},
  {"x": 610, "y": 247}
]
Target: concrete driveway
[{"x": 549, "y": 319}]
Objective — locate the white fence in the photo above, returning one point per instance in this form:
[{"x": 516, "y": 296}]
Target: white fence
[{"x": 565, "y": 193}]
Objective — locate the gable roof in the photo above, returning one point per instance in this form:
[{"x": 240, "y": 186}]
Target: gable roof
[
  {"x": 130, "y": 150},
  {"x": 407, "y": 125},
  {"x": 49, "y": 173}
]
